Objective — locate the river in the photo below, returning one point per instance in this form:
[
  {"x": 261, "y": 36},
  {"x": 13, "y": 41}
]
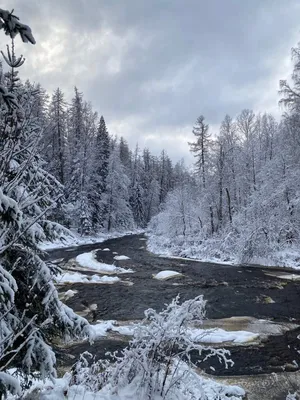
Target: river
[{"x": 253, "y": 292}]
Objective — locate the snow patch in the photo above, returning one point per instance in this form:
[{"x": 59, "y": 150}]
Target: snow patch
[
  {"x": 103, "y": 327},
  {"x": 88, "y": 260},
  {"x": 70, "y": 293},
  {"x": 218, "y": 335},
  {"x": 76, "y": 277},
  {"x": 167, "y": 275},
  {"x": 121, "y": 258},
  {"x": 291, "y": 277}
]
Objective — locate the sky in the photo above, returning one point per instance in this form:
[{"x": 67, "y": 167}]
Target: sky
[{"x": 151, "y": 67}]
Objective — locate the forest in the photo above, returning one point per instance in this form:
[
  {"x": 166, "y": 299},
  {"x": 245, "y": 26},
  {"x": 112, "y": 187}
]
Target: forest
[{"x": 61, "y": 171}]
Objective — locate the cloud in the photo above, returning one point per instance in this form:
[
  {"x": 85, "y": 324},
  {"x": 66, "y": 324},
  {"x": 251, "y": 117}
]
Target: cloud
[{"x": 152, "y": 67}]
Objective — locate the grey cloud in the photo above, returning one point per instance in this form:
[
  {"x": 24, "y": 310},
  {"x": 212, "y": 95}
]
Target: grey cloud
[{"x": 162, "y": 62}]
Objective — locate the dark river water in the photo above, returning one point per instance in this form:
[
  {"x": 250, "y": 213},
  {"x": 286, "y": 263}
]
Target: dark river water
[{"x": 229, "y": 291}]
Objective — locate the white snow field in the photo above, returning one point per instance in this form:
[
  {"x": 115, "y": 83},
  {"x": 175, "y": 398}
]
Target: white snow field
[
  {"x": 76, "y": 277},
  {"x": 167, "y": 275},
  {"x": 121, "y": 258},
  {"x": 88, "y": 260}
]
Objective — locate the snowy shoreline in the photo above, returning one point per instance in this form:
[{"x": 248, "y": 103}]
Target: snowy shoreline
[
  {"x": 161, "y": 246},
  {"x": 74, "y": 239}
]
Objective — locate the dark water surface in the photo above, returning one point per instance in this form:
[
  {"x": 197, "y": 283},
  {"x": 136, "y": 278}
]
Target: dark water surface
[{"x": 229, "y": 291}]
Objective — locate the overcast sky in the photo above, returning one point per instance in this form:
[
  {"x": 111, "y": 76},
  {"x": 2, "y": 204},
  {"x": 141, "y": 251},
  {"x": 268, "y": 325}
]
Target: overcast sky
[{"x": 151, "y": 67}]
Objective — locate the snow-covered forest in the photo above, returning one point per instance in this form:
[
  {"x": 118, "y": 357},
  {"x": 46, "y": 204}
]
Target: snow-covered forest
[
  {"x": 242, "y": 201},
  {"x": 62, "y": 171},
  {"x": 107, "y": 186}
]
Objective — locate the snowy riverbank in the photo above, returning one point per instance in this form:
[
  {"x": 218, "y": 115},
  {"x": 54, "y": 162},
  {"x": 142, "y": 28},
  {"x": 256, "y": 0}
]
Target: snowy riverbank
[
  {"x": 74, "y": 239},
  {"x": 216, "y": 250}
]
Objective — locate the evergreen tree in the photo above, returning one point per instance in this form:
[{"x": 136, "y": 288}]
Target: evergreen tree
[
  {"x": 55, "y": 137},
  {"x": 31, "y": 314},
  {"x": 119, "y": 215},
  {"x": 98, "y": 193}
]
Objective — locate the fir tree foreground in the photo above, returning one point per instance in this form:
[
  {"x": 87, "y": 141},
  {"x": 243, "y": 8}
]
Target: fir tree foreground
[{"x": 31, "y": 314}]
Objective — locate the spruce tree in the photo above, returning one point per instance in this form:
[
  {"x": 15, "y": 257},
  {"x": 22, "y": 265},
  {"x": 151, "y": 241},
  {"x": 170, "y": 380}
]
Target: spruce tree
[
  {"x": 31, "y": 314},
  {"x": 98, "y": 193}
]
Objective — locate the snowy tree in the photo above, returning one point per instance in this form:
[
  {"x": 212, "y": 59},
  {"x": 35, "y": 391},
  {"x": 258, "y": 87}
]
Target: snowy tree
[
  {"x": 98, "y": 180},
  {"x": 165, "y": 176},
  {"x": 119, "y": 215},
  {"x": 31, "y": 314},
  {"x": 125, "y": 154},
  {"x": 157, "y": 363},
  {"x": 200, "y": 148},
  {"x": 55, "y": 137}
]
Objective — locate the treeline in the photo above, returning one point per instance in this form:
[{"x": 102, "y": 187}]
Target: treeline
[
  {"x": 107, "y": 185},
  {"x": 244, "y": 201}
]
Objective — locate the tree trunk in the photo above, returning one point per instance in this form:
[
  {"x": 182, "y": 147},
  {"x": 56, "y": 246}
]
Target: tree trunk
[
  {"x": 212, "y": 220},
  {"x": 229, "y": 205}
]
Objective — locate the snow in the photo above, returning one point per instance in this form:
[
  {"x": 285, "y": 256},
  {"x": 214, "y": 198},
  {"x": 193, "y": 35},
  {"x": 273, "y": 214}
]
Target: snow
[
  {"x": 76, "y": 277},
  {"x": 88, "y": 260},
  {"x": 57, "y": 389},
  {"x": 70, "y": 293},
  {"x": 101, "y": 328},
  {"x": 120, "y": 258},
  {"x": 291, "y": 277},
  {"x": 106, "y": 249},
  {"x": 73, "y": 239},
  {"x": 166, "y": 248},
  {"x": 167, "y": 275},
  {"x": 217, "y": 335}
]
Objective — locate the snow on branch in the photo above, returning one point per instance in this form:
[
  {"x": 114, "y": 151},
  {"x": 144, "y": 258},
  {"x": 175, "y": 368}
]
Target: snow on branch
[{"x": 12, "y": 26}]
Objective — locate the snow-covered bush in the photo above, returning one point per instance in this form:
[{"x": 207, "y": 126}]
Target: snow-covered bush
[
  {"x": 292, "y": 396},
  {"x": 157, "y": 363}
]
